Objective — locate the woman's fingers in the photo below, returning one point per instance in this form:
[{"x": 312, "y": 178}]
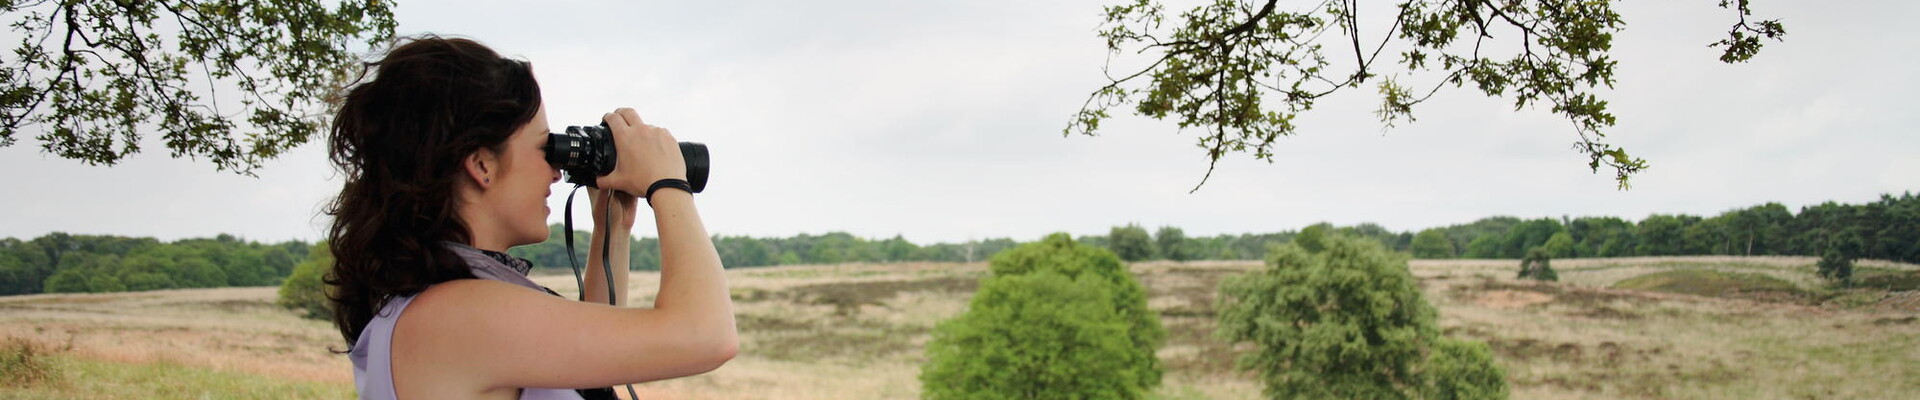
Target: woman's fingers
[
  {"x": 623, "y": 116},
  {"x": 646, "y": 153},
  {"x": 632, "y": 117}
]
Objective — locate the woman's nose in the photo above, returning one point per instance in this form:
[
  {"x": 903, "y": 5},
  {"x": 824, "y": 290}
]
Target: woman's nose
[{"x": 556, "y": 175}]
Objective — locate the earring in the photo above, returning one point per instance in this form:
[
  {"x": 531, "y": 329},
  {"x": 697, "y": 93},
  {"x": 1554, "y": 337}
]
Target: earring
[{"x": 487, "y": 181}]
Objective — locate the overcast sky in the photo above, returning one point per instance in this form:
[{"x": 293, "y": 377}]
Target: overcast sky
[{"x": 941, "y": 121}]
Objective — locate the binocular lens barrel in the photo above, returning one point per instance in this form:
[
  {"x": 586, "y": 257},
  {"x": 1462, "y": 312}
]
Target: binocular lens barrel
[{"x": 587, "y": 152}]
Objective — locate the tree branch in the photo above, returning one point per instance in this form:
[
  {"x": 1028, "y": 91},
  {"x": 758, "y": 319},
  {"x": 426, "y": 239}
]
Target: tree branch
[{"x": 1251, "y": 22}]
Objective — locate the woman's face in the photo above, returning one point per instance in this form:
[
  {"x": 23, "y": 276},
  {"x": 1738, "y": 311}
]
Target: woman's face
[{"x": 519, "y": 192}]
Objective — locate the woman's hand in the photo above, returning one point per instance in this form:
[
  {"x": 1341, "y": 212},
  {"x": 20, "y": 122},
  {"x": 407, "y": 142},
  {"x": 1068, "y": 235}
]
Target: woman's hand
[
  {"x": 617, "y": 233},
  {"x": 646, "y": 154},
  {"x": 623, "y": 215}
]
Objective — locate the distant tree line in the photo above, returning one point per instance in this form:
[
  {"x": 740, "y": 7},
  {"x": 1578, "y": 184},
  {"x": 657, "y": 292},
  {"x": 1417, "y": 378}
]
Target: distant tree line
[
  {"x": 743, "y": 251},
  {"x": 1133, "y": 243},
  {"x": 1887, "y": 229},
  {"x": 64, "y": 263}
]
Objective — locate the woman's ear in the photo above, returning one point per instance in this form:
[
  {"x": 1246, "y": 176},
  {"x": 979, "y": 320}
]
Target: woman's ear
[{"x": 481, "y": 166}]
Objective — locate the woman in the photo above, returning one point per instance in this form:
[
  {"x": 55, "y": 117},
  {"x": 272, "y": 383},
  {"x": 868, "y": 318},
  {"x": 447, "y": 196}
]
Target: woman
[{"x": 442, "y": 154}]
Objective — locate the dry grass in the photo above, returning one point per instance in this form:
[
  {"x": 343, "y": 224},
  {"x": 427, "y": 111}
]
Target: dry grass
[
  {"x": 228, "y": 329},
  {"x": 1579, "y": 340},
  {"x": 24, "y": 363},
  {"x": 856, "y": 331}
]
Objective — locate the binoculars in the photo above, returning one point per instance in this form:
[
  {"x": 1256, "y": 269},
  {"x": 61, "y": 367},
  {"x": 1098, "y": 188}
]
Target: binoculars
[{"x": 587, "y": 152}]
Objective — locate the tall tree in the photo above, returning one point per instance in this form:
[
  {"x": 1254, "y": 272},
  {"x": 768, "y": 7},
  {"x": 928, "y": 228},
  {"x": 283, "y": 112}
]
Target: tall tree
[
  {"x": 24, "y": 267},
  {"x": 1899, "y": 237},
  {"x": 1463, "y": 236},
  {"x": 1560, "y": 245},
  {"x": 898, "y": 249},
  {"x": 1130, "y": 242},
  {"x": 1528, "y": 235},
  {"x": 1217, "y": 66},
  {"x": 1601, "y": 237},
  {"x": 1173, "y": 245},
  {"x": 1660, "y": 235},
  {"x": 1432, "y": 243},
  {"x": 1709, "y": 236},
  {"x": 92, "y": 75},
  {"x": 1761, "y": 229},
  {"x": 1484, "y": 247}
]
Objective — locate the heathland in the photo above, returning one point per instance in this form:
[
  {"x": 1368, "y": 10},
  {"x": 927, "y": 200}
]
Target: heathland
[
  {"x": 1886, "y": 229},
  {"x": 1662, "y": 327}
]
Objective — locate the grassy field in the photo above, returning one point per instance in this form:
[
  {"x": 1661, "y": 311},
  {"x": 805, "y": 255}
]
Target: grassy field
[{"x": 1674, "y": 327}]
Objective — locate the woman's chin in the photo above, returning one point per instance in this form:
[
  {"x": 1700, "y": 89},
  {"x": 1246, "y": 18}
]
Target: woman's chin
[{"x": 532, "y": 236}]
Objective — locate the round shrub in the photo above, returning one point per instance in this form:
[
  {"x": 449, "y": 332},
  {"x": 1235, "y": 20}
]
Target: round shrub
[
  {"x": 1345, "y": 322},
  {"x": 1537, "y": 265},
  {"x": 304, "y": 291},
  {"x": 1463, "y": 370},
  {"x": 1056, "y": 320},
  {"x": 1034, "y": 336}
]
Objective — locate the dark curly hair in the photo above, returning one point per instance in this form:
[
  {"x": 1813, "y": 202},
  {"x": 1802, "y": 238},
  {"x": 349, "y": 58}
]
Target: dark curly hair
[{"x": 398, "y": 137}]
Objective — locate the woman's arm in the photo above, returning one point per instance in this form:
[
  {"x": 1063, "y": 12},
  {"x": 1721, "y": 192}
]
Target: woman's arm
[
  {"x": 594, "y": 289},
  {"x": 693, "y": 284},
  {"x": 493, "y": 336},
  {"x": 691, "y": 276}
]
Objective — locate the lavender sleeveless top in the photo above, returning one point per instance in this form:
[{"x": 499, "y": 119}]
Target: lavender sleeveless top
[{"x": 372, "y": 354}]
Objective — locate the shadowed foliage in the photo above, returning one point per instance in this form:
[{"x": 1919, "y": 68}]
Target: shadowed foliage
[{"x": 304, "y": 291}]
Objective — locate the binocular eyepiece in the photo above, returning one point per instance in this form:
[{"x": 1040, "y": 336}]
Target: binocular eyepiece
[{"x": 587, "y": 152}]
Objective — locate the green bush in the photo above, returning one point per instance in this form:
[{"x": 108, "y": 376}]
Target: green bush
[
  {"x": 1056, "y": 320},
  {"x": 1835, "y": 266},
  {"x": 305, "y": 291},
  {"x": 1463, "y": 370},
  {"x": 1060, "y": 253},
  {"x": 1536, "y": 267},
  {"x": 1347, "y": 322}
]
